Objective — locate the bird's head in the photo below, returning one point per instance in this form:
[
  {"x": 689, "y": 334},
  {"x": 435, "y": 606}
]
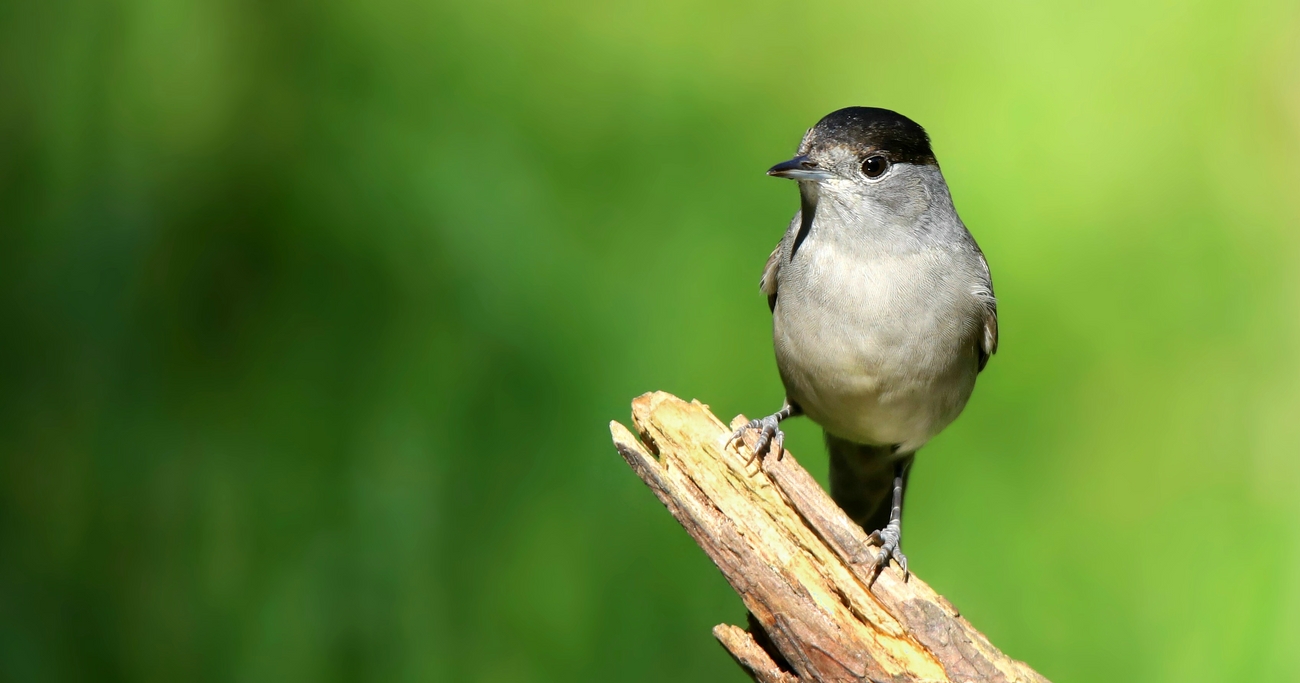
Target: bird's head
[{"x": 862, "y": 154}]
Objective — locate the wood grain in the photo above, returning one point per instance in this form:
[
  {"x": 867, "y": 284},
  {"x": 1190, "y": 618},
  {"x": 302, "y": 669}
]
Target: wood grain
[{"x": 800, "y": 566}]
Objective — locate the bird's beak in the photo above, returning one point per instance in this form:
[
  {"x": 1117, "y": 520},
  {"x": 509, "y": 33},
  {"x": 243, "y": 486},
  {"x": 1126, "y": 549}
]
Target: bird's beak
[{"x": 799, "y": 168}]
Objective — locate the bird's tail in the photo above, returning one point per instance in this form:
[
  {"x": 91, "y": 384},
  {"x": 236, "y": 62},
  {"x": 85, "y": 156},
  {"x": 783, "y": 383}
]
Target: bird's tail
[{"x": 862, "y": 480}]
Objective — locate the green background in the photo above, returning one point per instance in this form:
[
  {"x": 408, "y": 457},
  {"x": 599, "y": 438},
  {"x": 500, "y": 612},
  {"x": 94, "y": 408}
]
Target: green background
[{"x": 314, "y": 314}]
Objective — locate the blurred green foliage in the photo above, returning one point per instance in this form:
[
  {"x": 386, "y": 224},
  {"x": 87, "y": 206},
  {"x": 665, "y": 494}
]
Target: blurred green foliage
[{"x": 314, "y": 314}]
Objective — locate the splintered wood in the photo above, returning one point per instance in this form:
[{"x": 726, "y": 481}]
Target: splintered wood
[{"x": 799, "y": 564}]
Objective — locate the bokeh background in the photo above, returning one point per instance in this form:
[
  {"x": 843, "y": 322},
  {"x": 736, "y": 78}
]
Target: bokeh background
[{"x": 314, "y": 314}]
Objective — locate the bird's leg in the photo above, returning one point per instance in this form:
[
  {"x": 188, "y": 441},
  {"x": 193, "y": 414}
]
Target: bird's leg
[
  {"x": 889, "y": 536},
  {"x": 770, "y": 436}
]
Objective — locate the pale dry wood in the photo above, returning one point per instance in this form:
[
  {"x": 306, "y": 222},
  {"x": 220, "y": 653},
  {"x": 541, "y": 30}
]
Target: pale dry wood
[
  {"x": 798, "y": 563},
  {"x": 750, "y": 655}
]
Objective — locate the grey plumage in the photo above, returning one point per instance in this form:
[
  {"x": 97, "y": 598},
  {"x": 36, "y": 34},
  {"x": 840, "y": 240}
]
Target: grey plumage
[{"x": 883, "y": 311}]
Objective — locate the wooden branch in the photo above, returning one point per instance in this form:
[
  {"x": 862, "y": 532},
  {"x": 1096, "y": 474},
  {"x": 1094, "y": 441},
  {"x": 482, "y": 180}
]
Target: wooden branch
[{"x": 799, "y": 564}]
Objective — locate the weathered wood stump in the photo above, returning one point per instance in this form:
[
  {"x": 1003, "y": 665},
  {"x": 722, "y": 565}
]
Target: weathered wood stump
[{"x": 802, "y": 568}]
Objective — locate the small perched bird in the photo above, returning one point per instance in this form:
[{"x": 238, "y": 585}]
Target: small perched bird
[{"x": 882, "y": 309}]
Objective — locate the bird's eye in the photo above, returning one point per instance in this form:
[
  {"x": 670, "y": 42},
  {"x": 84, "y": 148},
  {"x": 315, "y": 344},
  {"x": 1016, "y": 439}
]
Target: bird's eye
[{"x": 875, "y": 166}]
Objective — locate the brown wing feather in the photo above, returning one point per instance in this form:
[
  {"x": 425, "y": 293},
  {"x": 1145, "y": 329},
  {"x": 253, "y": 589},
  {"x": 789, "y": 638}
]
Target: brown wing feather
[
  {"x": 767, "y": 283},
  {"x": 988, "y": 340}
]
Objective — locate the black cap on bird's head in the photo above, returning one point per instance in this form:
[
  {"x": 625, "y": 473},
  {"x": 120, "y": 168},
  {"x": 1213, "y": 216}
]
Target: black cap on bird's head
[{"x": 865, "y": 133}]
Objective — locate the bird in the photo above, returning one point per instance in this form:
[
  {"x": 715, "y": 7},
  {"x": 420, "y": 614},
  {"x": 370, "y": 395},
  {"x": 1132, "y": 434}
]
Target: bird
[{"x": 883, "y": 312}]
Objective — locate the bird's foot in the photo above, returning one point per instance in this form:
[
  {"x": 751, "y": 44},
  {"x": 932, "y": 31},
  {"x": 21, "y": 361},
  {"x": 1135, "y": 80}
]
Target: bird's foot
[
  {"x": 888, "y": 538},
  {"x": 770, "y": 437}
]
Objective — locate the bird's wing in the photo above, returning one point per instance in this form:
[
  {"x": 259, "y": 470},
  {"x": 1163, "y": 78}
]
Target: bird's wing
[
  {"x": 988, "y": 340},
  {"x": 768, "y": 282}
]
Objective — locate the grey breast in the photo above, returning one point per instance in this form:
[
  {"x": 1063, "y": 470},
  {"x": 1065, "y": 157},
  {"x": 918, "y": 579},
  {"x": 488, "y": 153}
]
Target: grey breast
[{"x": 878, "y": 319}]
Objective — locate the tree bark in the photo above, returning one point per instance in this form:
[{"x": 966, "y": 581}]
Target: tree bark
[{"x": 800, "y": 566}]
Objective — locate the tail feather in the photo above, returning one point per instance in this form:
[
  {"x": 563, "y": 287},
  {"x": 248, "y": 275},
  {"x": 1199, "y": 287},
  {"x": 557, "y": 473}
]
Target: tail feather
[{"x": 862, "y": 480}]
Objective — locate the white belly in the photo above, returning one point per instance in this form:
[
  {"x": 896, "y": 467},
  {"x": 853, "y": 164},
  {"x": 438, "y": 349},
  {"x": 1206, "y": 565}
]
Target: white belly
[{"x": 883, "y": 353}]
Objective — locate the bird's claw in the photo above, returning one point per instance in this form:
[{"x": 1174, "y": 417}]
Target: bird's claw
[
  {"x": 770, "y": 437},
  {"x": 888, "y": 538}
]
